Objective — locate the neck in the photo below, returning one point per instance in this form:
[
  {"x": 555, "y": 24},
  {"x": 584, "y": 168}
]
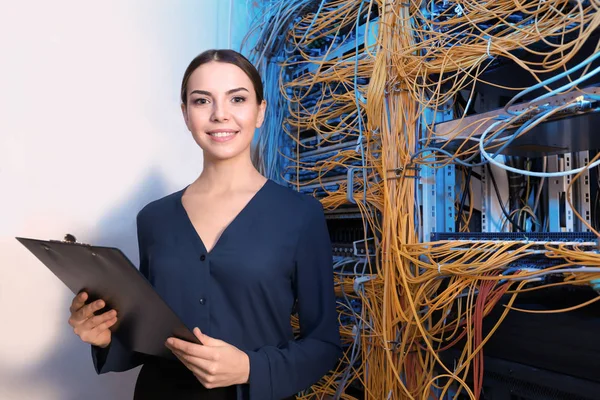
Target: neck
[{"x": 232, "y": 173}]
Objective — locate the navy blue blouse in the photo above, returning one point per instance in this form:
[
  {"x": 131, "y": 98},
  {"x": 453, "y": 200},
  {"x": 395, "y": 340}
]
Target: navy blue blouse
[{"x": 272, "y": 259}]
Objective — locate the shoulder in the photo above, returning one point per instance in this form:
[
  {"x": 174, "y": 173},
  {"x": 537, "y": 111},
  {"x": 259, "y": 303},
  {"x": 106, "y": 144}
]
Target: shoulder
[
  {"x": 300, "y": 212},
  {"x": 161, "y": 208},
  {"x": 302, "y": 205}
]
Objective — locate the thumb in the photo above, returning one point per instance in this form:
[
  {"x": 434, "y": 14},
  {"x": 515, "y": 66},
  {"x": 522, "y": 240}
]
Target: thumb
[{"x": 205, "y": 339}]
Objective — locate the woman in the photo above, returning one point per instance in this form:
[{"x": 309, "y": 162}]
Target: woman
[{"x": 233, "y": 254}]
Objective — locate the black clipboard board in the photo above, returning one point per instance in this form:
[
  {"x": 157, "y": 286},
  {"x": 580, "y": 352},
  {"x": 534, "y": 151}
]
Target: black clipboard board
[{"x": 144, "y": 322}]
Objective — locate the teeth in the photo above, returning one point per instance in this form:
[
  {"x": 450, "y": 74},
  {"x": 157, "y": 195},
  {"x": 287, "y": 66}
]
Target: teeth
[{"x": 222, "y": 134}]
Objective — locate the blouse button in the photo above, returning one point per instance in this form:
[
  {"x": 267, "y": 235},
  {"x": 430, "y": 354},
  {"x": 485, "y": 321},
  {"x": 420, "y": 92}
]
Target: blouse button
[
  {"x": 202, "y": 257},
  {"x": 202, "y": 301}
]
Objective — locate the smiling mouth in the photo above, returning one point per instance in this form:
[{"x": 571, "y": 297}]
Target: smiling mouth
[{"x": 221, "y": 134}]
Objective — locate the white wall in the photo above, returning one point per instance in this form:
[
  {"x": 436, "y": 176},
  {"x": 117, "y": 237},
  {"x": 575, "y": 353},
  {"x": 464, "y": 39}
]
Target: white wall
[{"x": 90, "y": 131}]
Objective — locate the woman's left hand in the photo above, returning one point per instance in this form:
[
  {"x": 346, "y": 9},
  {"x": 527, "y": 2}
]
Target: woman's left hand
[{"x": 214, "y": 362}]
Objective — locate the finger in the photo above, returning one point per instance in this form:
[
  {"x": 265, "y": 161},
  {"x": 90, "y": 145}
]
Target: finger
[
  {"x": 208, "y": 353},
  {"x": 197, "y": 365},
  {"x": 99, "y": 329},
  {"x": 84, "y": 329},
  {"x": 91, "y": 335},
  {"x": 78, "y": 302},
  {"x": 83, "y": 314},
  {"x": 198, "y": 334},
  {"x": 87, "y": 311},
  {"x": 207, "y": 340},
  {"x": 98, "y": 320},
  {"x": 104, "y": 326},
  {"x": 195, "y": 350},
  {"x": 184, "y": 347}
]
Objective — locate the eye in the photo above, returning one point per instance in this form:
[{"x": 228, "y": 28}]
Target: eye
[
  {"x": 200, "y": 101},
  {"x": 238, "y": 99}
]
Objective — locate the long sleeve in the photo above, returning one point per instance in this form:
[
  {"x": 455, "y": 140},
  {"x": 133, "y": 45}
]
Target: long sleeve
[
  {"x": 278, "y": 372},
  {"x": 115, "y": 357}
]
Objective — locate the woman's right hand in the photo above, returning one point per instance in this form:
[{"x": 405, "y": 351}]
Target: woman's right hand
[{"x": 92, "y": 329}]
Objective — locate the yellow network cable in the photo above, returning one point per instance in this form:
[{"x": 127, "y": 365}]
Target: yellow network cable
[{"x": 421, "y": 298}]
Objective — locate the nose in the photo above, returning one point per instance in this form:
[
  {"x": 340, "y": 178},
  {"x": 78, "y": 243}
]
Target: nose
[{"x": 220, "y": 112}]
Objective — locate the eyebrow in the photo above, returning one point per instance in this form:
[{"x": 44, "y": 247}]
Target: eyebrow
[{"x": 204, "y": 92}]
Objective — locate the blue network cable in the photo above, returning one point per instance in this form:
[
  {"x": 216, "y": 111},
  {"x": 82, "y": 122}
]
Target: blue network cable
[
  {"x": 554, "y": 79},
  {"x": 360, "y": 122}
]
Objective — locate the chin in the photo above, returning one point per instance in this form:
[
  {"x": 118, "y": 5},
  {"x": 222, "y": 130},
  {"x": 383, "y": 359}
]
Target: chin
[{"x": 225, "y": 154}]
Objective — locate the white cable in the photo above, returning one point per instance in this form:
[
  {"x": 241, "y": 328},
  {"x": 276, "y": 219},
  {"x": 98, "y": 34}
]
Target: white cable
[
  {"x": 530, "y": 173},
  {"x": 568, "y": 85}
]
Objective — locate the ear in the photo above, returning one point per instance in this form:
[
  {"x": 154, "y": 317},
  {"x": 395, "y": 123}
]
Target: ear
[
  {"x": 185, "y": 116},
  {"x": 261, "y": 113}
]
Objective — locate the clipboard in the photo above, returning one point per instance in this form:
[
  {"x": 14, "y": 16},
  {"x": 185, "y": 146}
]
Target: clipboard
[{"x": 144, "y": 320}]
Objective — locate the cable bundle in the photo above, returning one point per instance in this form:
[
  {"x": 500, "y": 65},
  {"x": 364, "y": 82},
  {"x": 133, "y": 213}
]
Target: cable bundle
[{"x": 356, "y": 126}]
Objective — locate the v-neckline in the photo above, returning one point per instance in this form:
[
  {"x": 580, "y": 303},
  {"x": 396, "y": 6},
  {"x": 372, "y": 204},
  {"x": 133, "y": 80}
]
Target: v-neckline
[{"x": 224, "y": 231}]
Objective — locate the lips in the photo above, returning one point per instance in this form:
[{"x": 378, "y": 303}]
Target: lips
[{"x": 222, "y": 135}]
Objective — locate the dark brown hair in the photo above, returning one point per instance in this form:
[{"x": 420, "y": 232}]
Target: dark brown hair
[{"x": 224, "y": 56}]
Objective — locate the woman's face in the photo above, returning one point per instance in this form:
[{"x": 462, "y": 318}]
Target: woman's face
[{"x": 222, "y": 111}]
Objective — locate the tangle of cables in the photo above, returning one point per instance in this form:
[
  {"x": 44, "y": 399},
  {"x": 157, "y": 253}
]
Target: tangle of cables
[{"x": 355, "y": 90}]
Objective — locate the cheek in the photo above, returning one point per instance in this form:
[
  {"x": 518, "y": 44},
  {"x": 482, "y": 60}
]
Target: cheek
[
  {"x": 197, "y": 119},
  {"x": 246, "y": 118}
]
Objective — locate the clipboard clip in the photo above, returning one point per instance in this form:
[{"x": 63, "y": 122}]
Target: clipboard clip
[{"x": 69, "y": 238}]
